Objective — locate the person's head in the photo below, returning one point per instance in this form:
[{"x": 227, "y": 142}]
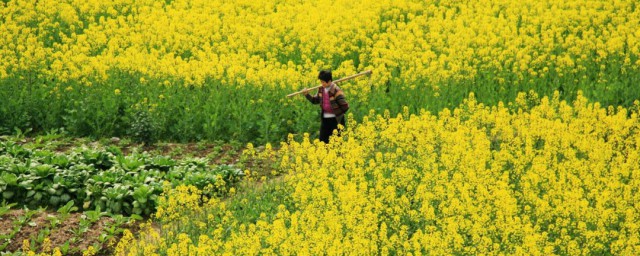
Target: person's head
[{"x": 325, "y": 78}]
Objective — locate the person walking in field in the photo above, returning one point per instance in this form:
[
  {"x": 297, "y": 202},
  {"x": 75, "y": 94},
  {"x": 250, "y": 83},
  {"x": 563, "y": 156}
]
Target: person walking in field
[{"x": 332, "y": 102}]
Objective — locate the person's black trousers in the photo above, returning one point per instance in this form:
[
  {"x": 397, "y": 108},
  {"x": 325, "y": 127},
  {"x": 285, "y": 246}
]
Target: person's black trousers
[{"x": 327, "y": 126}]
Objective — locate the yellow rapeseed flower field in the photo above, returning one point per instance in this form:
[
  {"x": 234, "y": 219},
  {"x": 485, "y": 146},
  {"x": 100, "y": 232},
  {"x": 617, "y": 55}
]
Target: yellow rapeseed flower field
[
  {"x": 245, "y": 42},
  {"x": 537, "y": 177},
  {"x": 237, "y": 53}
]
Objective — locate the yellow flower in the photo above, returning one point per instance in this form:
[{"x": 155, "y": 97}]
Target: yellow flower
[
  {"x": 56, "y": 252},
  {"x": 26, "y": 245},
  {"x": 89, "y": 251}
]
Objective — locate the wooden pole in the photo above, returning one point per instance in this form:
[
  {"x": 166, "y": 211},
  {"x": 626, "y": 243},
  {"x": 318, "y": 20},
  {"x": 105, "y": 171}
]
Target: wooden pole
[{"x": 368, "y": 72}]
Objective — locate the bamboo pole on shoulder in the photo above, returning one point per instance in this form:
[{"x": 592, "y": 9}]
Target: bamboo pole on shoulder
[{"x": 368, "y": 72}]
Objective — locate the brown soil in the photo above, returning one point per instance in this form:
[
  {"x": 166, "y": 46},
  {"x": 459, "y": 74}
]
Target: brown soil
[
  {"x": 28, "y": 231},
  {"x": 67, "y": 231},
  {"x": 6, "y": 223}
]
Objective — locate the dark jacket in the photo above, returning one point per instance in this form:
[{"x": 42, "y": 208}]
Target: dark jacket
[{"x": 338, "y": 102}]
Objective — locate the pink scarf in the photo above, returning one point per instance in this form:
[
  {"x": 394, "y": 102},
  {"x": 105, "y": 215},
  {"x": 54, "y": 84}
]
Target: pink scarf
[{"x": 326, "y": 103}]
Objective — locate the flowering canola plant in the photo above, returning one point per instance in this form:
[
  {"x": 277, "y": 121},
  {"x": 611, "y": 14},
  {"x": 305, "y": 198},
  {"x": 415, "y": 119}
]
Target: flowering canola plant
[
  {"x": 245, "y": 42},
  {"x": 538, "y": 176},
  {"x": 87, "y": 66}
]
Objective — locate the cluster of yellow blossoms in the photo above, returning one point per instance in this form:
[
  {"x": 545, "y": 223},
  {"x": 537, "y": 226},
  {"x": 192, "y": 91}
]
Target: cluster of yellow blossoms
[
  {"x": 282, "y": 44},
  {"x": 536, "y": 177}
]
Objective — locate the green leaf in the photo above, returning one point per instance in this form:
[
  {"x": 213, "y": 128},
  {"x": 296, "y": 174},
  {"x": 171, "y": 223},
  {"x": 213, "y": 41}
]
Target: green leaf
[
  {"x": 9, "y": 179},
  {"x": 7, "y": 194},
  {"x": 116, "y": 207},
  {"x": 54, "y": 200},
  {"x": 65, "y": 198},
  {"x": 69, "y": 207}
]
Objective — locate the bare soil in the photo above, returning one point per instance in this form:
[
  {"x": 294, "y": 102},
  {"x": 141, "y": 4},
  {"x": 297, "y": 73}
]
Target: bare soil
[{"x": 68, "y": 231}]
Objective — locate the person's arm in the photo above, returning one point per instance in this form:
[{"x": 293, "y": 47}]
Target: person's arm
[{"x": 313, "y": 99}]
